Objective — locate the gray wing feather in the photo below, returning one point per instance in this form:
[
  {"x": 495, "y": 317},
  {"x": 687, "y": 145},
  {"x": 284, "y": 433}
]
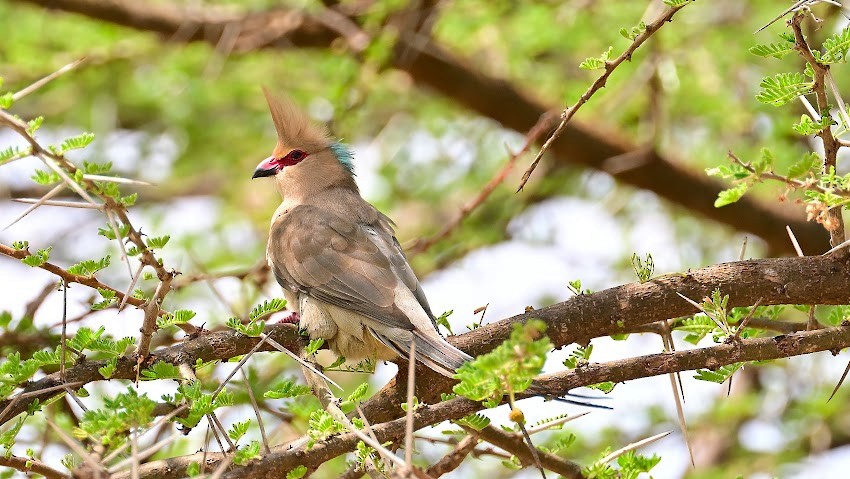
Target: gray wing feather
[{"x": 340, "y": 262}]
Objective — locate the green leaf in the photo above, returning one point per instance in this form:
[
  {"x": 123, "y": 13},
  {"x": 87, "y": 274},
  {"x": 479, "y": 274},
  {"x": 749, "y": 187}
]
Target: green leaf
[
  {"x": 109, "y": 424},
  {"x": 110, "y": 234},
  {"x": 6, "y": 100},
  {"x": 238, "y": 430},
  {"x": 109, "y": 298},
  {"x": 76, "y": 142},
  {"x": 161, "y": 370},
  {"x": 297, "y": 473},
  {"x": 356, "y": 396},
  {"x": 632, "y": 33},
  {"x": 314, "y": 346},
  {"x": 643, "y": 268},
  {"x": 835, "y": 47},
  {"x": 39, "y": 258},
  {"x": 805, "y": 166},
  {"x": 268, "y": 307},
  {"x": 158, "y": 242},
  {"x": 70, "y": 461},
  {"x": 837, "y": 315},
  {"x": 632, "y": 464},
  {"x": 775, "y": 50},
  {"x": 129, "y": 200},
  {"x": 97, "y": 168},
  {"x": 580, "y": 356},
  {"x": 730, "y": 196},
  {"x": 783, "y": 88},
  {"x": 252, "y": 328},
  {"x": 677, "y": 3},
  {"x": 595, "y": 63},
  {"x": 718, "y": 375},
  {"x": 34, "y": 124},
  {"x": 13, "y": 153},
  {"x": 443, "y": 320},
  {"x": 109, "y": 369},
  {"x": 193, "y": 469},
  {"x": 322, "y": 425},
  {"x": 287, "y": 389},
  {"x": 807, "y": 126},
  {"x": 180, "y": 316},
  {"x": 89, "y": 267},
  {"x": 45, "y": 177},
  {"x": 21, "y": 245},
  {"x": 606, "y": 386},
  {"x": 475, "y": 421},
  {"x": 508, "y": 369},
  {"x": 697, "y": 327}
]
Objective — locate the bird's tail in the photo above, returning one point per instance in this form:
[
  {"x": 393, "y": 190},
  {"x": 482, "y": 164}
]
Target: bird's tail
[
  {"x": 433, "y": 351},
  {"x": 438, "y": 354}
]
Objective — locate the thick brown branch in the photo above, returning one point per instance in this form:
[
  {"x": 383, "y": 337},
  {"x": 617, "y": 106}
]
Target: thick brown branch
[
  {"x": 807, "y": 280},
  {"x": 28, "y": 466},
  {"x": 495, "y": 98},
  {"x": 452, "y": 460},
  {"x": 517, "y": 446},
  {"x": 284, "y": 458},
  {"x": 206, "y": 346},
  {"x": 89, "y": 281}
]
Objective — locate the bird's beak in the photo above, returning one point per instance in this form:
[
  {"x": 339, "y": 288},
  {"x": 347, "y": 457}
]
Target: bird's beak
[{"x": 265, "y": 168}]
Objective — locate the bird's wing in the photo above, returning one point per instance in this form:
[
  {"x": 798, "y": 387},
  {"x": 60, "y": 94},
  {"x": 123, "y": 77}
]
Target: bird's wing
[{"x": 344, "y": 263}]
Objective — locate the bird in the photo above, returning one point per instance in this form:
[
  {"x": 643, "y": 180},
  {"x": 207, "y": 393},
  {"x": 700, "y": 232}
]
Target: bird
[{"x": 336, "y": 256}]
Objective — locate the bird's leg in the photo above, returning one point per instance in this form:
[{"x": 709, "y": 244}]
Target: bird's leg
[{"x": 291, "y": 318}]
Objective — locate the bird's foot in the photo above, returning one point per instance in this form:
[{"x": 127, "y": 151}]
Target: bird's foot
[{"x": 291, "y": 318}]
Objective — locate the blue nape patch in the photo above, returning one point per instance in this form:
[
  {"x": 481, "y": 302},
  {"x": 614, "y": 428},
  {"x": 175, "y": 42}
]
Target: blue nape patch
[{"x": 344, "y": 155}]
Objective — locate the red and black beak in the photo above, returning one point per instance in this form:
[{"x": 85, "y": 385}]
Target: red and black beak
[{"x": 266, "y": 168}]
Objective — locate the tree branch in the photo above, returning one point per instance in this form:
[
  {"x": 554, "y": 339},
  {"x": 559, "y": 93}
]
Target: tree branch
[
  {"x": 806, "y": 280},
  {"x": 285, "y": 457},
  {"x": 29, "y": 466}
]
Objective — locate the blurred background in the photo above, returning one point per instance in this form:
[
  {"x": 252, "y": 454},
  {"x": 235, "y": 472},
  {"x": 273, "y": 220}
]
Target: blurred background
[{"x": 433, "y": 96}]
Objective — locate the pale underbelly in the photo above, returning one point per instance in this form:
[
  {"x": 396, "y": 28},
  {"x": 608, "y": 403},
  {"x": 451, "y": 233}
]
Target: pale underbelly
[{"x": 345, "y": 332}]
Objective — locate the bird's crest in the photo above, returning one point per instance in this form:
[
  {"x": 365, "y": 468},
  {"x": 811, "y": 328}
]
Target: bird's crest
[{"x": 294, "y": 128}]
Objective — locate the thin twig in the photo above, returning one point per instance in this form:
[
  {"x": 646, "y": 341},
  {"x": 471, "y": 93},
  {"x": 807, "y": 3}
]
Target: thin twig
[
  {"x": 47, "y": 79},
  {"x": 65, "y": 204},
  {"x": 840, "y": 382},
  {"x": 633, "y": 446},
  {"x": 812, "y": 323},
  {"x": 423, "y": 244},
  {"x": 28, "y": 465},
  {"x": 558, "y": 422},
  {"x": 678, "y": 390},
  {"x": 256, "y": 411},
  {"x": 830, "y": 144},
  {"x": 64, "y": 331},
  {"x": 719, "y": 323},
  {"x": 743, "y": 324},
  {"x": 50, "y": 194},
  {"x": 794, "y": 241},
  {"x": 610, "y": 66},
  {"x": 452, "y": 460},
  {"x": 411, "y": 386}
]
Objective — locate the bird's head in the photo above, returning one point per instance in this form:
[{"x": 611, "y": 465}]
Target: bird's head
[{"x": 300, "y": 142}]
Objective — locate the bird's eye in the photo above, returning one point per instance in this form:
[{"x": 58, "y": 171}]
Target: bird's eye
[{"x": 296, "y": 154}]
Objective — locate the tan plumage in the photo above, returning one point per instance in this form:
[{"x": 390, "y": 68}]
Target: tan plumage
[{"x": 337, "y": 258}]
